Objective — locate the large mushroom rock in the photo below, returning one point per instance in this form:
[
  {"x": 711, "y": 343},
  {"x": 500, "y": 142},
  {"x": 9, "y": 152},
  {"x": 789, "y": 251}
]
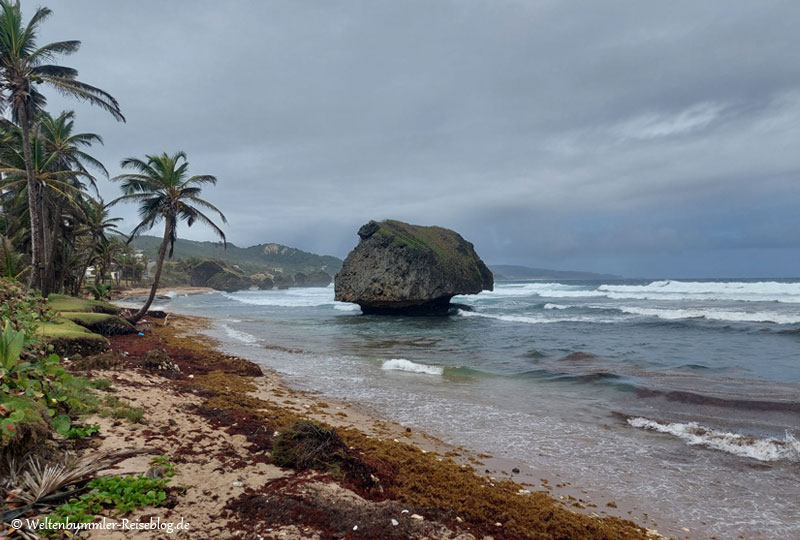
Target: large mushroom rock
[{"x": 399, "y": 268}]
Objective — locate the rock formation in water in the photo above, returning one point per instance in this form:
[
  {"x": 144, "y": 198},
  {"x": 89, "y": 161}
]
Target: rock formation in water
[
  {"x": 399, "y": 268},
  {"x": 219, "y": 276}
]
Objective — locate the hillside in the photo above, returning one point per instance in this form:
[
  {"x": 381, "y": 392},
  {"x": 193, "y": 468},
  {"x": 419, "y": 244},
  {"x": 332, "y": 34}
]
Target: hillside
[
  {"x": 510, "y": 272},
  {"x": 251, "y": 259}
]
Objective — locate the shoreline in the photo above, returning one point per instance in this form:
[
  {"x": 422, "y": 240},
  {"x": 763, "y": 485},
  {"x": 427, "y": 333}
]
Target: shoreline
[
  {"x": 570, "y": 494},
  {"x": 269, "y": 392}
]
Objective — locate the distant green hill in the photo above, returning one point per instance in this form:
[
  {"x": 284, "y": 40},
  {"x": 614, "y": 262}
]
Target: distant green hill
[
  {"x": 252, "y": 259},
  {"x": 510, "y": 272}
]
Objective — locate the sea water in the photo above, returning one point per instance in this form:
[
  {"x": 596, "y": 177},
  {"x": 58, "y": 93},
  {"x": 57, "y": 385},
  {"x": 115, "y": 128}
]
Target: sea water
[{"x": 683, "y": 396}]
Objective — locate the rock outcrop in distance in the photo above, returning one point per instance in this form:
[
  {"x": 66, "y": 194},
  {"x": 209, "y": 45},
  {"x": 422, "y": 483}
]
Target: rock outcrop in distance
[
  {"x": 398, "y": 268},
  {"x": 219, "y": 276},
  {"x": 223, "y": 277}
]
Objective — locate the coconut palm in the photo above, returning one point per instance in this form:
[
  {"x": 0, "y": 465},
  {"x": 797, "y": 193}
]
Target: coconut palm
[
  {"x": 23, "y": 67},
  {"x": 164, "y": 191},
  {"x": 57, "y": 188},
  {"x": 67, "y": 147},
  {"x": 98, "y": 225}
]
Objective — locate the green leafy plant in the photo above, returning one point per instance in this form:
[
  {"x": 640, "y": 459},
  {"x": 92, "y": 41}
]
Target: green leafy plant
[
  {"x": 82, "y": 432},
  {"x": 100, "y": 290},
  {"x": 34, "y": 388},
  {"x": 11, "y": 344},
  {"x": 23, "y": 308},
  {"x": 122, "y": 493},
  {"x": 165, "y": 464}
]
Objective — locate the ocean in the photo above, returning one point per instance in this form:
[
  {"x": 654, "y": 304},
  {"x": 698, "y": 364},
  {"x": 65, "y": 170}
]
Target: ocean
[{"x": 677, "y": 398}]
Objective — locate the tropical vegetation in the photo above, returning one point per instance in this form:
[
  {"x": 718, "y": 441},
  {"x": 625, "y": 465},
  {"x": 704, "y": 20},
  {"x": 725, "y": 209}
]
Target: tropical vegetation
[
  {"x": 24, "y": 67},
  {"x": 164, "y": 191},
  {"x": 58, "y": 237}
]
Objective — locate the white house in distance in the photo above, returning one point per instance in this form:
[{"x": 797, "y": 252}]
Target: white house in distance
[{"x": 114, "y": 274}]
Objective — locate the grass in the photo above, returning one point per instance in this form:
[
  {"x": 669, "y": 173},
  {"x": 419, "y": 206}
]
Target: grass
[
  {"x": 101, "y": 323},
  {"x": 69, "y": 338},
  {"x": 116, "y": 408},
  {"x": 64, "y": 328},
  {"x": 60, "y": 302},
  {"x": 100, "y": 384}
]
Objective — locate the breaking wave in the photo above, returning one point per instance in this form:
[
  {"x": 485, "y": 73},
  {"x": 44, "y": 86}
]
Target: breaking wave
[
  {"x": 762, "y": 449},
  {"x": 675, "y": 314},
  {"x": 401, "y": 364},
  {"x": 713, "y": 315},
  {"x": 238, "y": 335},
  {"x": 535, "y": 319},
  {"x": 761, "y": 291},
  {"x": 306, "y": 297}
]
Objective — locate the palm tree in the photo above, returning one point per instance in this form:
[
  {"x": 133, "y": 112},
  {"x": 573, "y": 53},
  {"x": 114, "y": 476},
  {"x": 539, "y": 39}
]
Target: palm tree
[
  {"x": 23, "y": 66},
  {"x": 51, "y": 183},
  {"x": 97, "y": 227},
  {"x": 66, "y": 146},
  {"x": 161, "y": 188}
]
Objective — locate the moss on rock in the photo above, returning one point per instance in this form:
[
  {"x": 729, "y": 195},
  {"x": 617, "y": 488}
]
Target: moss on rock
[
  {"x": 410, "y": 269},
  {"x": 63, "y": 303},
  {"x": 69, "y": 338},
  {"x": 101, "y": 323}
]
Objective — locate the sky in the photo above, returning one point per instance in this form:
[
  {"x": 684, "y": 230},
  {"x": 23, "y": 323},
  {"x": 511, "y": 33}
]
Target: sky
[{"x": 646, "y": 139}]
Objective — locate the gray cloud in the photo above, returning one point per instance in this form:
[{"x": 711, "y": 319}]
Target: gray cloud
[{"x": 629, "y": 137}]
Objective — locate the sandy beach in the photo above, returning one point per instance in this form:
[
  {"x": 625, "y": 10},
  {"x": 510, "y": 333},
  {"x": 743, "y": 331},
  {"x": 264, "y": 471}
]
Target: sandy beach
[{"x": 218, "y": 416}]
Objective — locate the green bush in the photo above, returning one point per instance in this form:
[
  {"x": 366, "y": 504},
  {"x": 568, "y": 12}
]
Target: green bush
[
  {"x": 122, "y": 493},
  {"x": 82, "y": 432},
  {"x": 23, "y": 308},
  {"x": 33, "y": 388}
]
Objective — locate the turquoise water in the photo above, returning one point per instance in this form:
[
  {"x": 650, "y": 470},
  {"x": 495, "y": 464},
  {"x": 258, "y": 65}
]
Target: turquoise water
[{"x": 648, "y": 391}]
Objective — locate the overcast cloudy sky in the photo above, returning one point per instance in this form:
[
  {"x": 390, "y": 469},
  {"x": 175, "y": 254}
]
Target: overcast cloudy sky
[{"x": 639, "y": 138}]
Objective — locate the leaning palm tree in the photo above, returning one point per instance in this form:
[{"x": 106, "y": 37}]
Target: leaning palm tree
[
  {"x": 23, "y": 67},
  {"x": 163, "y": 190}
]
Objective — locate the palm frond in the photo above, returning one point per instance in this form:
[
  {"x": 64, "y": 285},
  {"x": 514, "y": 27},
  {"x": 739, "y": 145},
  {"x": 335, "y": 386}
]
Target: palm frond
[
  {"x": 51, "y": 50},
  {"x": 86, "y": 92}
]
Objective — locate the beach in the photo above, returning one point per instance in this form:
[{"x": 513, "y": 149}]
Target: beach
[
  {"x": 215, "y": 418},
  {"x": 675, "y": 401}
]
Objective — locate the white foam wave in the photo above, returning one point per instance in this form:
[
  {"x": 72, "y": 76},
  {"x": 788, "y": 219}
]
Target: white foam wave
[
  {"x": 304, "y": 297},
  {"x": 556, "y": 306},
  {"x": 762, "y": 449},
  {"x": 761, "y": 291},
  {"x": 342, "y": 306},
  {"x": 712, "y": 315},
  {"x": 238, "y": 335},
  {"x": 535, "y": 319},
  {"x": 401, "y": 364}
]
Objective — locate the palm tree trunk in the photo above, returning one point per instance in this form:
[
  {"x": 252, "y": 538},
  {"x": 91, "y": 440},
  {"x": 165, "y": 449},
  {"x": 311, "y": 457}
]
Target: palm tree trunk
[
  {"x": 34, "y": 203},
  {"x": 81, "y": 277},
  {"x": 162, "y": 252},
  {"x": 51, "y": 249}
]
